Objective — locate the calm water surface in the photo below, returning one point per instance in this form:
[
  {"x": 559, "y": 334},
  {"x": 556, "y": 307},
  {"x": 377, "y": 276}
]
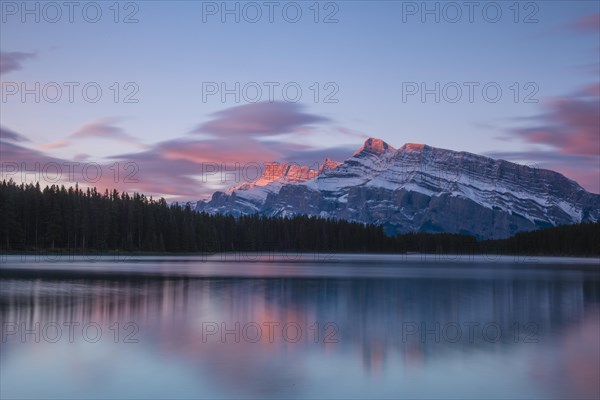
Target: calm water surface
[{"x": 341, "y": 326}]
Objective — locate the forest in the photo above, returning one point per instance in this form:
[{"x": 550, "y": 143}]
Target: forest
[{"x": 57, "y": 218}]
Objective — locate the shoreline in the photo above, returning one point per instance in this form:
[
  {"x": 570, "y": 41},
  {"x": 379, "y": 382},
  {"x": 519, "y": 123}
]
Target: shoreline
[{"x": 111, "y": 253}]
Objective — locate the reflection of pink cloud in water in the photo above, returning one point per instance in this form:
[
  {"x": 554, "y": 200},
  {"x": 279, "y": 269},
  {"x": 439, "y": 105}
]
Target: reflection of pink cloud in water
[
  {"x": 170, "y": 314},
  {"x": 373, "y": 359},
  {"x": 413, "y": 357},
  {"x": 580, "y": 351},
  {"x": 573, "y": 366},
  {"x": 271, "y": 367}
]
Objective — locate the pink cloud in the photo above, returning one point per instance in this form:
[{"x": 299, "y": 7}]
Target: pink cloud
[
  {"x": 571, "y": 125},
  {"x": 588, "y": 23},
  {"x": 585, "y": 175},
  {"x": 216, "y": 151},
  {"x": 592, "y": 89},
  {"x": 144, "y": 174},
  {"x": 189, "y": 169},
  {"x": 55, "y": 145}
]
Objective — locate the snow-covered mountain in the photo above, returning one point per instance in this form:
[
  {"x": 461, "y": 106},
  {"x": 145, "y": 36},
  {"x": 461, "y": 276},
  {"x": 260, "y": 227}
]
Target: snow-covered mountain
[{"x": 416, "y": 188}]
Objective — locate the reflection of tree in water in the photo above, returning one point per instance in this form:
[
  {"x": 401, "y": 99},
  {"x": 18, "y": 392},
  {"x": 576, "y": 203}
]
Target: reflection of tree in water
[{"x": 371, "y": 314}]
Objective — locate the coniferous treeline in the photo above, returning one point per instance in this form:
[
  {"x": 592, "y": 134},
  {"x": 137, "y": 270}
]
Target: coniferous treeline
[
  {"x": 577, "y": 240},
  {"x": 72, "y": 218},
  {"x": 59, "y": 218}
]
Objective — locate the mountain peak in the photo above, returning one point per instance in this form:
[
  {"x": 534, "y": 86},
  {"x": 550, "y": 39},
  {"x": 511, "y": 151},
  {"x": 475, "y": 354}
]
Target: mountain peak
[
  {"x": 374, "y": 145},
  {"x": 413, "y": 147},
  {"x": 328, "y": 164},
  {"x": 417, "y": 188}
]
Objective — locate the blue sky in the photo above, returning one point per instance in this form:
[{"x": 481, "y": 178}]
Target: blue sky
[{"x": 366, "y": 59}]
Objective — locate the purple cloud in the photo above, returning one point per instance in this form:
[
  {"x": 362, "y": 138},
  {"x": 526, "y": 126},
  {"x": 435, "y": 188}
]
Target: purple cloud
[
  {"x": 24, "y": 164},
  {"x": 11, "y": 136},
  {"x": 140, "y": 172},
  {"x": 13, "y": 60},
  {"x": 260, "y": 119},
  {"x": 81, "y": 157},
  {"x": 104, "y": 128},
  {"x": 190, "y": 168},
  {"x": 570, "y": 125}
]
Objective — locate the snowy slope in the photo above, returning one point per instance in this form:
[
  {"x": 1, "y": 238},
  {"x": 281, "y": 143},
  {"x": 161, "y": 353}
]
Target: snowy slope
[{"x": 417, "y": 188}]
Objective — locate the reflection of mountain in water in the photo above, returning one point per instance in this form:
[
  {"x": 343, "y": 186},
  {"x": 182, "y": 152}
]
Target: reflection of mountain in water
[{"x": 371, "y": 315}]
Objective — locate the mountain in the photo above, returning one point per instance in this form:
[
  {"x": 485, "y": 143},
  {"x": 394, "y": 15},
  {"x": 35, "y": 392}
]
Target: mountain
[{"x": 416, "y": 188}]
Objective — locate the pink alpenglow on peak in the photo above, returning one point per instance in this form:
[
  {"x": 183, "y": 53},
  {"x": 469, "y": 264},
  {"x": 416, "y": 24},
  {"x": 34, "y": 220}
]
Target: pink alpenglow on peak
[
  {"x": 417, "y": 188},
  {"x": 328, "y": 165},
  {"x": 413, "y": 147},
  {"x": 282, "y": 173},
  {"x": 374, "y": 145},
  {"x": 288, "y": 172}
]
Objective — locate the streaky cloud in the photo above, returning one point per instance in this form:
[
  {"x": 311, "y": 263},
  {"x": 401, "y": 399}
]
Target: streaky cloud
[
  {"x": 11, "y": 136},
  {"x": 13, "y": 60},
  {"x": 260, "y": 119}
]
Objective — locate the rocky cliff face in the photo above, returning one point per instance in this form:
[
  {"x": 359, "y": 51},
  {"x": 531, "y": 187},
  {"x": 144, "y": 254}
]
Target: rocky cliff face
[{"x": 416, "y": 188}]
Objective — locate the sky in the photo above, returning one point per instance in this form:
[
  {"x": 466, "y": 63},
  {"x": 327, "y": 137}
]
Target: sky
[{"x": 182, "y": 98}]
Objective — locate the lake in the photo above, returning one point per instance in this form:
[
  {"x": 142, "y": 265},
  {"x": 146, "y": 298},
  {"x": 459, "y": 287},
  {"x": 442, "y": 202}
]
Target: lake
[{"x": 299, "y": 326}]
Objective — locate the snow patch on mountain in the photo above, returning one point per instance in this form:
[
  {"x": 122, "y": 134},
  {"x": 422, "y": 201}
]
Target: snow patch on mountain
[{"x": 416, "y": 188}]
